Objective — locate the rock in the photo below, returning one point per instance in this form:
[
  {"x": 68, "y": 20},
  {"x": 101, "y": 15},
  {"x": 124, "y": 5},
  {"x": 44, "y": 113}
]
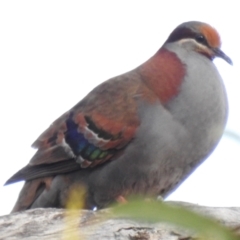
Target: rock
[{"x": 89, "y": 225}]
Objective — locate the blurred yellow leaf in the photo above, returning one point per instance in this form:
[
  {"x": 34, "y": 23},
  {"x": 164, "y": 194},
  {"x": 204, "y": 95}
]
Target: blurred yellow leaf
[{"x": 74, "y": 204}]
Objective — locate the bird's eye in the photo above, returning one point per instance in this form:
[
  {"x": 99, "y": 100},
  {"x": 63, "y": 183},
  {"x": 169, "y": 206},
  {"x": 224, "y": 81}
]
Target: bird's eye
[{"x": 201, "y": 39}]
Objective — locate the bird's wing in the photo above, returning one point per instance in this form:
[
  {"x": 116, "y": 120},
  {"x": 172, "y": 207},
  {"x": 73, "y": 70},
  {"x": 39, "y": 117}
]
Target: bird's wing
[{"x": 94, "y": 131}]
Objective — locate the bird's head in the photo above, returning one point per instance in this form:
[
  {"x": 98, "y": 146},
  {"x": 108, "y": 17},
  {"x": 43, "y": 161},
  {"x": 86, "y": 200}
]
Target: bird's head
[{"x": 199, "y": 37}]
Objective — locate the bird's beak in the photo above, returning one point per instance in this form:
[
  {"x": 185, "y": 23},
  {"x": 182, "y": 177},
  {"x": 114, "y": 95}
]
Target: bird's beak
[{"x": 219, "y": 53}]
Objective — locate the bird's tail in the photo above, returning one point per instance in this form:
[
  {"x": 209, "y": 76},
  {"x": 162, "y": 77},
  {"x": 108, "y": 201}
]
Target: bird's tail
[
  {"x": 44, "y": 170},
  {"x": 30, "y": 192}
]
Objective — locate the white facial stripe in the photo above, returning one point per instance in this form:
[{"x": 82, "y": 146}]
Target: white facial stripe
[{"x": 185, "y": 40}]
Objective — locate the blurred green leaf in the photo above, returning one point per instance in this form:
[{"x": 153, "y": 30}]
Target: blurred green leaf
[
  {"x": 233, "y": 135},
  {"x": 156, "y": 211}
]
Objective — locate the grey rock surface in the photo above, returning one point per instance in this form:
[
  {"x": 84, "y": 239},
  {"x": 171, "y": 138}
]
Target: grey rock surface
[{"x": 88, "y": 225}]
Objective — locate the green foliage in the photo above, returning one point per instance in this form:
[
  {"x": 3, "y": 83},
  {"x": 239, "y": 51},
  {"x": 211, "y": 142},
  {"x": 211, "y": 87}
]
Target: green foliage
[
  {"x": 156, "y": 211},
  {"x": 235, "y": 136}
]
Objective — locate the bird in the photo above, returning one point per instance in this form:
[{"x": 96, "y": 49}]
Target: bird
[{"x": 140, "y": 133}]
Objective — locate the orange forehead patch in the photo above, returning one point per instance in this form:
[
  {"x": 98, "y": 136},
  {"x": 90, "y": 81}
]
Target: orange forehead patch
[{"x": 211, "y": 35}]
